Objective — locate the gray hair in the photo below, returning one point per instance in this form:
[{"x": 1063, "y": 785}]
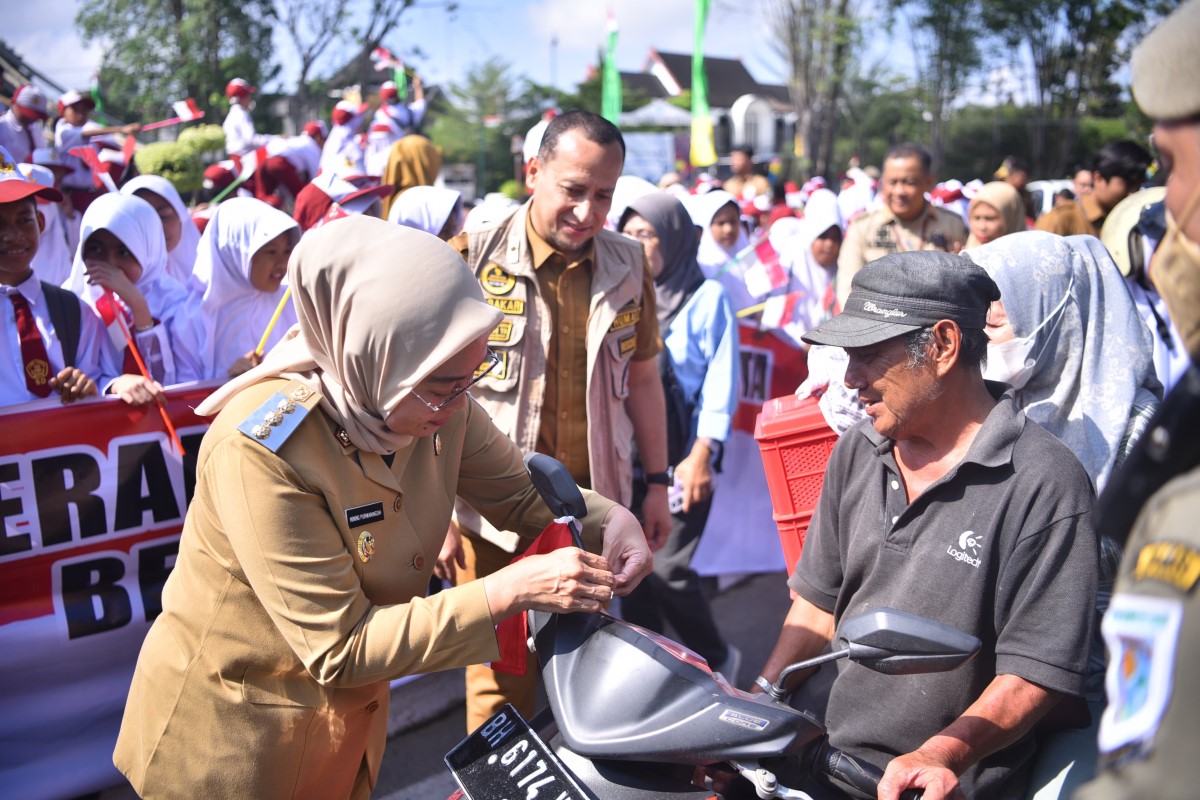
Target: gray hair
[{"x": 919, "y": 343}]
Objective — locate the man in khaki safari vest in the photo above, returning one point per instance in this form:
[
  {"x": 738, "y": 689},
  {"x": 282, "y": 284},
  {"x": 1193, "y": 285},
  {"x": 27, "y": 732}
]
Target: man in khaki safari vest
[{"x": 577, "y": 378}]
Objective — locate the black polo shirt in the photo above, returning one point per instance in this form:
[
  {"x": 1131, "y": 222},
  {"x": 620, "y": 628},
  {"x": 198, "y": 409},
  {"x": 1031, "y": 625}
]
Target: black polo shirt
[{"x": 1001, "y": 547}]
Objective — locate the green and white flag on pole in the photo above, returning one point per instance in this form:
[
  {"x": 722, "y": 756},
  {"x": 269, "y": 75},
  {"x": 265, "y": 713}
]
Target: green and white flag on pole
[
  {"x": 610, "y": 88},
  {"x": 702, "y": 152}
]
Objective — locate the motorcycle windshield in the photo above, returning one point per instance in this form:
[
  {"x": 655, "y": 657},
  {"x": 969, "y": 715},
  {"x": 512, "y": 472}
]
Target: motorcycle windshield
[{"x": 618, "y": 691}]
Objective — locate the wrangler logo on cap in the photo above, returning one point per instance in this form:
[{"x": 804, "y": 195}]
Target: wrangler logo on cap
[{"x": 883, "y": 312}]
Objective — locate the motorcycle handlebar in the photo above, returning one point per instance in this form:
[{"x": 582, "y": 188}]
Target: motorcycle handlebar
[{"x": 851, "y": 771}]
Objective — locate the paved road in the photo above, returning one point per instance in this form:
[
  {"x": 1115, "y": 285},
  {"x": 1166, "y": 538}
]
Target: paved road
[{"x": 750, "y": 613}]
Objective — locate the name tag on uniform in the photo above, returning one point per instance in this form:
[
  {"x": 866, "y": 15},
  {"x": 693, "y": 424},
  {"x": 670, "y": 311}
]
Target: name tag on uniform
[
  {"x": 509, "y": 305},
  {"x": 627, "y": 317},
  {"x": 364, "y": 515},
  {"x": 628, "y": 345},
  {"x": 502, "y": 333}
]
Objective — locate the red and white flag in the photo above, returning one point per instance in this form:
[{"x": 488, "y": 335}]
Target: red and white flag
[
  {"x": 779, "y": 309},
  {"x": 766, "y": 274}
]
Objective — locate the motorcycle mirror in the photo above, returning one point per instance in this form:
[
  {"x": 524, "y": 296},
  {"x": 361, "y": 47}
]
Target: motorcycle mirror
[
  {"x": 898, "y": 643},
  {"x": 555, "y": 485}
]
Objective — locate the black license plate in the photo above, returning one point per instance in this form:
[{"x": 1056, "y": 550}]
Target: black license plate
[{"x": 505, "y": 760}]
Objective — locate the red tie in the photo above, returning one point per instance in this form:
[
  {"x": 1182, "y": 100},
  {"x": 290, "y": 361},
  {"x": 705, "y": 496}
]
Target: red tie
[{"x": 33, "y": 349}]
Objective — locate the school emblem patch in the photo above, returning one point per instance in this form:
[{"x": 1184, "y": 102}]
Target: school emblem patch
[{"x": 495, "y": 280}]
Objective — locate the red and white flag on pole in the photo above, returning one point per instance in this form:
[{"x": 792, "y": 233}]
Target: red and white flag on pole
[
  {"x": 185, "y": 111},
  {"x": 766, "y": 274},
  {"x": 779, "y": 309}
]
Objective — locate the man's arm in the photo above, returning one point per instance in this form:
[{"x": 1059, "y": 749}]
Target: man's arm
[
  {"x": 806, "y": 632},
  {"x": 647, "y": 410},
  {"x": 1008, "y": 708}
]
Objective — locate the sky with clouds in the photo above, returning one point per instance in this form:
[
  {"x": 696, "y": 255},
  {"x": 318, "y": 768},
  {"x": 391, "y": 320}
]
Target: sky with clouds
[{"x": 519, "y": 32}]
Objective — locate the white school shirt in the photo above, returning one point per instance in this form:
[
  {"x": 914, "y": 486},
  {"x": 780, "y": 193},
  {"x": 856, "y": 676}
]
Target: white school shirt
[
  {"x": 20, "y": 139},
  {"x": 240, "y": 137},
  {"x": 94, "y": 355},
  {"x": 302, "y": 152}
]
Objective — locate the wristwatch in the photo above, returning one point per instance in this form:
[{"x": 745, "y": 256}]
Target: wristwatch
[{"x": 660, "y": 478}]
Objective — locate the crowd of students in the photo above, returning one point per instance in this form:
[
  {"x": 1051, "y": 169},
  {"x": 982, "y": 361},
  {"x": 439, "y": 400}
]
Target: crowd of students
[{"x": 200, "y": 292}]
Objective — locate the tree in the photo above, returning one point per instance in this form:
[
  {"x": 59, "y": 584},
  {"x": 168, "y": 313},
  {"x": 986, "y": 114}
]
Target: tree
[
  {"x": 158, "y": 52},
  {"x": 814, "y": 37},
  {"x": 945, "y": 41},
  {"x": 311, "y": 26},
  {"x": 1075, "y": 46},
  {"x": 485, "y": 111}
]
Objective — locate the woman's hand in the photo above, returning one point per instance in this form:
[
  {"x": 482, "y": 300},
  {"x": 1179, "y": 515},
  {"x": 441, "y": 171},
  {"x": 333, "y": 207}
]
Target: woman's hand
[
  {"x": 695, "y": 474},
  {"x": 568, "y": 579},
  {"x": 72, "y": 384},
  {"x": 451, "y": 554},
  {"x": 137, "y": 390},
  {"x": 245, "y": 364},
  {"x": 626, "y": 549}
]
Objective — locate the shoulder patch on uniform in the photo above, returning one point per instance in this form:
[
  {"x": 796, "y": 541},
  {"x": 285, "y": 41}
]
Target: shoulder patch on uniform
[
  {"x": 1171, "y": 563},
  {"x": 277, "y": 419}
]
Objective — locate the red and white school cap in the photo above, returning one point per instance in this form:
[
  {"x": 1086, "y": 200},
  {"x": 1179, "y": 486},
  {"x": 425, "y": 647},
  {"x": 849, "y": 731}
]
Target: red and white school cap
[
  {"x": 72, "y": 97},
  {"x": 345, "y": 111},
  {"x": 15, "y": 186},
  {"x": 30, "y": 98},
  {"x": 239, "y": 87}
]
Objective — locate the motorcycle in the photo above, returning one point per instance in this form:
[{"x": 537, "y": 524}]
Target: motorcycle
[{"x": 632, "y": 714}]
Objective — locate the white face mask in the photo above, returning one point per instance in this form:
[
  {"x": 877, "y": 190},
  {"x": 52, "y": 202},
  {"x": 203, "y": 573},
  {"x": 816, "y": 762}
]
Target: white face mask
[{"x": 1012, "y": 362}]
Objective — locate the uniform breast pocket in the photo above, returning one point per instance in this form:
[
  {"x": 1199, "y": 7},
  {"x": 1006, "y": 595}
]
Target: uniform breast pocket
[
  {"x": 618, "y": 351},
  {"x": 506, "y": 340}
]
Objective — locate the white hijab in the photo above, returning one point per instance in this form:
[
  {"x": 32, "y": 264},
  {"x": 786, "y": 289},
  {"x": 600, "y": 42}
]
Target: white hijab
[
  {"x": 1091, "y": 364},
  {"x": 136, "y": 224},
  {"x": 365, "y": 361},
  {"x": 425, "y": 208},
  {"x": 227, "y": 316},
  {"x": 703, "y": 207},
  {"x": 181, "y": 260},
  {"x": 820, "y": 214}
]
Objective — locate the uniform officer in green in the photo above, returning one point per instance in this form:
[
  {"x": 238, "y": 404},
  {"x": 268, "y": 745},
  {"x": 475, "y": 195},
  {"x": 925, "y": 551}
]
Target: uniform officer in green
[
  {"x": 1150, "y": 731},
  {"x": 324, "y": 488}
]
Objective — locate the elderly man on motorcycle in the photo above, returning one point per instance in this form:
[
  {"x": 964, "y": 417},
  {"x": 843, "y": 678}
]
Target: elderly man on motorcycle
[{"x": 949, "y": 503}]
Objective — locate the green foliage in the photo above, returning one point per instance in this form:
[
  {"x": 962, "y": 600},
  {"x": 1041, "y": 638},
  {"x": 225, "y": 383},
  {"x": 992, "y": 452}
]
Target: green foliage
[
  {"x": 201, "y": 139},
  {"x": 173, "y": 161},
  {"x": 512, "y": 190},
  {"x": 159, "y": 52}
]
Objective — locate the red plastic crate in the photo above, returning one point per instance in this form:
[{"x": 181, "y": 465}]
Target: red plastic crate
[{"x": 795, "y": 443}]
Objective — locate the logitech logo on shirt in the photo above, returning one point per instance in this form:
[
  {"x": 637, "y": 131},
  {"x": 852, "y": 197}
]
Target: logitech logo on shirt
[{"x": 969, "y": 545}]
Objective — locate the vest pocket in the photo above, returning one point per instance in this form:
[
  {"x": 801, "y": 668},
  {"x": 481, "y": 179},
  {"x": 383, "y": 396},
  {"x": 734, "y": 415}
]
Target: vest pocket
[
  {"x": 619, "y": 347},
  {"x": 506, "y": 340}
]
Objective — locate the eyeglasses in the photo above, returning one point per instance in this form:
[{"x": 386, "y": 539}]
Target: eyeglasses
[
  {"x": 489, "y": 363},
  {"x": 642, "y": 235}
]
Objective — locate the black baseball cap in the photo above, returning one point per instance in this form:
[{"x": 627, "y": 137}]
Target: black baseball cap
[{"x": 902, "y": 292}]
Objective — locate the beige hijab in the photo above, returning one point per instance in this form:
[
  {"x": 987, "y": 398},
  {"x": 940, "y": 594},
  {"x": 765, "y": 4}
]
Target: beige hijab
[
  {"x": 361, "y": 341},
  {"x": 1005, "y": 199}
]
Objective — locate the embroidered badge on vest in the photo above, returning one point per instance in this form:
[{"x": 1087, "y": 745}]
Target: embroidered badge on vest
[
  {"x": 629, "y": 315},
  {"x": 509, "y": 305},
  {"x": 495, "y": 280},
  {"x": 502, "y": 333},
  {"x": 1169, "y": 562}
]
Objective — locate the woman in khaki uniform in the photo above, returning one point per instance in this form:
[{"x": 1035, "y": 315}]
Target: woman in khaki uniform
[{"x": 324, "y": 490}]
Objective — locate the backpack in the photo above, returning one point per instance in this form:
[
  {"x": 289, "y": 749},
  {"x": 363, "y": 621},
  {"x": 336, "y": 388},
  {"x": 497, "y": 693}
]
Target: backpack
[{"x": 65, "y": 315}]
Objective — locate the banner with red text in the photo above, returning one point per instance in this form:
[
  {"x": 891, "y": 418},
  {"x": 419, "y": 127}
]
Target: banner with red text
[
  {"x": 93, "y": 497},
  {"x": 741, "y": 535}
]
